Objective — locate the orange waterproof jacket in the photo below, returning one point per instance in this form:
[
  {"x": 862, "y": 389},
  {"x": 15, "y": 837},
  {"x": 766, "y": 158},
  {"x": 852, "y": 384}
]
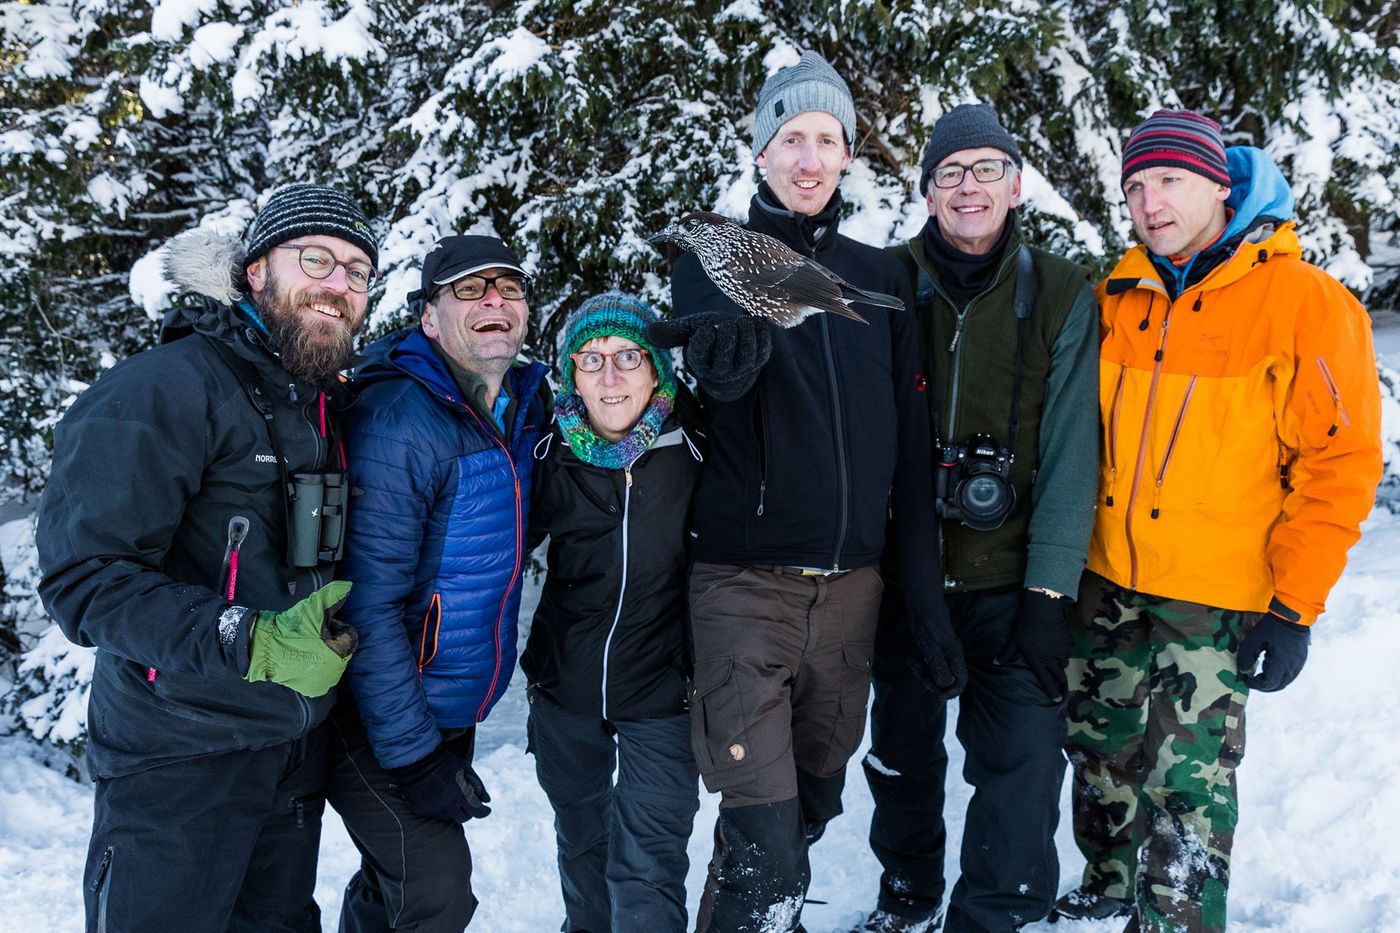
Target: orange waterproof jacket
[{"x": 1241, "y": 430}]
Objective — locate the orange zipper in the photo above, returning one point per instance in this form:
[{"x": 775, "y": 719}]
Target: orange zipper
[
  {"x": 1171, "y": 446},
  {"x": 432, "y": 619},
  {"x": 1113, "y": 434},
  {"x": 1142, "y": 446},
  {"x": 1341, "y": 410}
]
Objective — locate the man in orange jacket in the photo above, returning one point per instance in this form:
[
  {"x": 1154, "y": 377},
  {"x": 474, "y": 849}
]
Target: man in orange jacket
[{"x": 1241, "y": 451}]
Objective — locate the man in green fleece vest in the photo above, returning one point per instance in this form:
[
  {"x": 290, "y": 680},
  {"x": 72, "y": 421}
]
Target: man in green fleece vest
[{"x": 1009, "y": 350}]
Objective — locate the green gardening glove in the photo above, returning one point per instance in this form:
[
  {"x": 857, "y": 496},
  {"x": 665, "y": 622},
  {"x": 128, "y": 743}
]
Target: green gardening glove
[{"x": 305, "y": 647}]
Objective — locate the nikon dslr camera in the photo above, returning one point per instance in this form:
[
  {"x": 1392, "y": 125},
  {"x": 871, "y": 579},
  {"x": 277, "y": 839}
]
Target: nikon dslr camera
[{"x": 973, "y": 483}]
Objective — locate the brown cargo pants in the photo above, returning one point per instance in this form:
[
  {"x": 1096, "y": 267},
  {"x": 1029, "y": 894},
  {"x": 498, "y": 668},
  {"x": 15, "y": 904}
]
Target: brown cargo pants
[{"x": 782, "y": 679}]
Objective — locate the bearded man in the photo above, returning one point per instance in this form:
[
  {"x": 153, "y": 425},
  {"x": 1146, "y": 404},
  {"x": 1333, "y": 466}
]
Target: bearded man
[{"x": 189, "y": 531}]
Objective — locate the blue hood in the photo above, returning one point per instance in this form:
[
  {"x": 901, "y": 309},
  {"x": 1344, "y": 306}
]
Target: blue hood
[{"x": 1257, "y": 190}]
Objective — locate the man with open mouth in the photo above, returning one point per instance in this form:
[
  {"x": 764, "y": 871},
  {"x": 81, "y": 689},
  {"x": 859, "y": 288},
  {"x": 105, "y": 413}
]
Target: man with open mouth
[{"x": 443, "y": 426}]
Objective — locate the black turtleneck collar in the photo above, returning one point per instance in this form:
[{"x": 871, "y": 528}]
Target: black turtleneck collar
[
  {"x": 803, "y": 232},
  {"x": 964, "y": 276}
]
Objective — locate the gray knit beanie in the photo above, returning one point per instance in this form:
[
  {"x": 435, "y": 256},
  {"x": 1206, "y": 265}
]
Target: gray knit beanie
[
  {"x": 966, "y": 126},
  {"x": 810, "y": 85},
  {"x": 300, "y": 210}
]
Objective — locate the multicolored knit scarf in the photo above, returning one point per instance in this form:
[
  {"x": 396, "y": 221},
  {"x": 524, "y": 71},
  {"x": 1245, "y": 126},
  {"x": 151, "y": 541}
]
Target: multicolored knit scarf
[{"x": 613, "y": 455}]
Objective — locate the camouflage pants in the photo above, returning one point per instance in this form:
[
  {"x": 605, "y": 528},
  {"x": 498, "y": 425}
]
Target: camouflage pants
[{"x": 1156, "y": 730}]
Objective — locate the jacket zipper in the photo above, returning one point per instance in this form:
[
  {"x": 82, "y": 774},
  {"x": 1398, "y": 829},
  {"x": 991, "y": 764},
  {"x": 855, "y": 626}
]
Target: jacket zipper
[
  {"x": 622, "y": 589},
  {"x": 1113, "y": 434},
  {"x": 762, "y": 451},
  {"x": 237, "y": 531},
  {"x": 1171, "y": 446},
  {"x": 515, "y": 573},
  {"x": 842, "y": 468},
  {"x": 1340, "y": 416},
  {"x": 1142, "y": 445},
  {"x": 955, "y": 345},
  {"x": 431, "y": 618}
]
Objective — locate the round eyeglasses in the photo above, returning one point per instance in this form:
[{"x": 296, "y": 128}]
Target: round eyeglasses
[
  {"x": 591, "y": 361},
  {"x": 319, "y": 262}
]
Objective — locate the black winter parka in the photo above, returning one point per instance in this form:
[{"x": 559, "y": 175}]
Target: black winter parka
[
  {"x": 610, "y": 635},
  {"x": 150, "y": 466}
]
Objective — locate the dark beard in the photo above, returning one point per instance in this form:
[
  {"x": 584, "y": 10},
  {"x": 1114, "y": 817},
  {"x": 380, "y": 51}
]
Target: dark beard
[{"x": 310, "y": 350}]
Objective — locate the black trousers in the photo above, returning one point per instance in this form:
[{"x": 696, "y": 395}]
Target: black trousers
[
  {"x": 415, "y": 873},
  {"x": 622, "y": 858},
  {"x": 210, "y": 845},
  {"x": 1012, "y": 736}
]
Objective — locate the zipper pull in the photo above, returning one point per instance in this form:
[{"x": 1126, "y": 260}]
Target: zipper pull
[
  {"x": 957, "y": 333},
  {"x": 1112, "y": 481},
  {"x": 1157, "y": 501},
  {"x": 627, "y": 472},
  {"x": 762, "y": 488}
]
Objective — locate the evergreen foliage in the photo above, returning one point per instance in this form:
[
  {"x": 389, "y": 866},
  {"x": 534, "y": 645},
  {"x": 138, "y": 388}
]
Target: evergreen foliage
[{"x": 576, "y": 127}]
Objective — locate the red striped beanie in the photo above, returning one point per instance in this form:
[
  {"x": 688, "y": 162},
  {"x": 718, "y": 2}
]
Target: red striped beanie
[{"x": 1179, "y": 138}]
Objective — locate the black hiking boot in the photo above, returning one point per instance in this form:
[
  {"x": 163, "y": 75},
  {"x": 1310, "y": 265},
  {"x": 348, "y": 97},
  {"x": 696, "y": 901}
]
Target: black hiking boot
[
  {"x": 1088, "y": 904},
  {"x": 882, "y": 921}
]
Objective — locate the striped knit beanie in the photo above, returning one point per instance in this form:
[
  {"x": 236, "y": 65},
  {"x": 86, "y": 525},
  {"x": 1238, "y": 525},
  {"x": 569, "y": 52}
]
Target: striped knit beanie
[
  {"x": 1178, "y": 138},
  {"x": 613, "y": 314},
  {"x": 810, "y": 85},
  {"x": 299, "y": 210}
]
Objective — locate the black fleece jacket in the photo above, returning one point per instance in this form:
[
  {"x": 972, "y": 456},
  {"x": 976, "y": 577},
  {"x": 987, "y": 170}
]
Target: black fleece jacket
[{"x": 805, "y": 466}]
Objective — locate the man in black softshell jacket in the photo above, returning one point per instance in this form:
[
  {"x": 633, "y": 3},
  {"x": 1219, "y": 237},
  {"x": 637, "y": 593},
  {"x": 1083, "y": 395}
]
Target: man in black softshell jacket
[
  {"x": 188, "y": 532},
  {"x": 818, "y": 433}
]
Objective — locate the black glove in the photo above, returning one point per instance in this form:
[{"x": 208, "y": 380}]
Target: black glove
[
  {"x": 724, "y": 352},
  {"x": 1040, "y": 638},
  {"x": 940, "y": 666},
  {"x": 1284, "y": 645},
  {"x": 442, "y": 786}
]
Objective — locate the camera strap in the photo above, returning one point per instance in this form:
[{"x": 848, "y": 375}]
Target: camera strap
[{"x": 1022, "y": 306}]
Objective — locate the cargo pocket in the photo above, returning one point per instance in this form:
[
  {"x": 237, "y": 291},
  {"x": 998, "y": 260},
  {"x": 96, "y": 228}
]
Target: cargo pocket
[
  {"x": 849, "y": 727},
  {"x": 718, "y": 731}
]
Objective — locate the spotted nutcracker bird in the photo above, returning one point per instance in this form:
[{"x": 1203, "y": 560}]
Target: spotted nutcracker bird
[{"x": 763, "y": 276}]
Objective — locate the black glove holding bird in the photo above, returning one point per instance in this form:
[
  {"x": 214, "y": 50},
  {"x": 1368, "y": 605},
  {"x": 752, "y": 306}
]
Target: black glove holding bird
[
  {"x": 1040, "y": 638},
  {"x": 1283, "y": 644},
  {"x": 763, "y": 276},
  {"x": 305, "y": 648},
  {"x": 443, "y": 786},
  {"x": 724, "y": 352}
]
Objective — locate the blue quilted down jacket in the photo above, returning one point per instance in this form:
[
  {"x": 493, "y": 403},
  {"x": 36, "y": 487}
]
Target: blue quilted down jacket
[{"x": 435, "y": 545}]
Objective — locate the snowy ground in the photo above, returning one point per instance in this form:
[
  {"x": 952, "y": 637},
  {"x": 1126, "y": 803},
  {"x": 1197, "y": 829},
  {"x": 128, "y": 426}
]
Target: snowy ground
[{"x": 1317, "y": 849}]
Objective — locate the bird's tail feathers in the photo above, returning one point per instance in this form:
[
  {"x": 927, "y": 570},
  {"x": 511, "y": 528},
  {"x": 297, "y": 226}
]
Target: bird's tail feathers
[{"x": 878, "y": 299}]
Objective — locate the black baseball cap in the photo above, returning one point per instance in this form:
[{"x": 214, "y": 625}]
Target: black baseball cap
[{"x": 456, "y": 256}]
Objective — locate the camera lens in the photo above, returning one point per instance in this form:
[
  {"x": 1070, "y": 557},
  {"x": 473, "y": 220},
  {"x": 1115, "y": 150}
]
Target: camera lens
[{"x": 983, "y": 494}]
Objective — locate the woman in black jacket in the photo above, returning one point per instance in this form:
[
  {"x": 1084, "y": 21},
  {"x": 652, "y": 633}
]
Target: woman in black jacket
[{"x": 607, "y": 653}]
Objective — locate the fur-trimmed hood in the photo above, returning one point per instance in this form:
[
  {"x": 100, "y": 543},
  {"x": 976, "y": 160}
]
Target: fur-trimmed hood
[
  {"x": 207, "y": 269},
  {"x": 203, "y": 262}
]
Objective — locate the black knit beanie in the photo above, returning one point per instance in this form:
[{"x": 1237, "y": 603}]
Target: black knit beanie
[
  {"x": 298, "y": 210},
  {"x": 966, "y": 126}
]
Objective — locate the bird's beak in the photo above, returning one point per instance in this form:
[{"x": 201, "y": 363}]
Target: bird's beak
[{"x": 669, "y": 235}]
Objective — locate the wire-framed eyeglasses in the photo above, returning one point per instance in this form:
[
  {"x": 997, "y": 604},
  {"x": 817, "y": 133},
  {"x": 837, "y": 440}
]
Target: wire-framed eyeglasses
[{"x": 319, "y": 262}]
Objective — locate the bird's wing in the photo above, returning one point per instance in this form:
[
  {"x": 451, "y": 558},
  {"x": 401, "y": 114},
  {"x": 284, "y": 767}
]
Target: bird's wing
[{"x": 799, "y": 289}]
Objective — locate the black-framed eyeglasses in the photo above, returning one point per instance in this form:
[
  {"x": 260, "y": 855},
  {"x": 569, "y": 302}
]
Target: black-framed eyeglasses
[
  {"x": 591, "y": 361},
  {"x": 319, "y": 262},
  {"x": 983, "y": 170},
  {"x": 511, "y": 286}
]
